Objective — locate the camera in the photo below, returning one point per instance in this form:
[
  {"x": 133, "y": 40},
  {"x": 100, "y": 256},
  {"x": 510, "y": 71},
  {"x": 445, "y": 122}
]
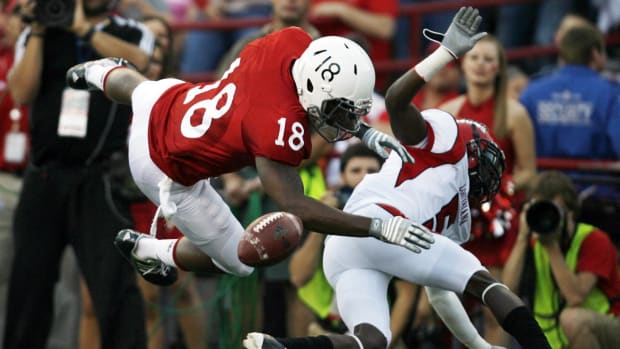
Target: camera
[
  {"x": 54, "y": 13},
  {"x": 544, "y": 216}
]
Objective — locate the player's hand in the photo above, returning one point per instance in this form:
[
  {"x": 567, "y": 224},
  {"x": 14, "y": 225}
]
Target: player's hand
[
  {"x": 461, "y": 34},
  {"x": 378, "y": 141},
  {"x": 400, "y": 231}
]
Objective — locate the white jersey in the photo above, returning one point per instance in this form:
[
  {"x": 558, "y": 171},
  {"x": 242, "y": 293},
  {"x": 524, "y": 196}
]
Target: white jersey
[{"x": 433, "y": 190}]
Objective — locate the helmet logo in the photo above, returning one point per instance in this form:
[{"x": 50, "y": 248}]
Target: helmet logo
[{"x": 330, "y": 71}]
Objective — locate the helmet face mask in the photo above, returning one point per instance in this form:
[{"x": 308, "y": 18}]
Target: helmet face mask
[
  {"x": 486, "y": 161},
  {"x": 335, "y": 79},
  {"x": 338, "y": 118}
]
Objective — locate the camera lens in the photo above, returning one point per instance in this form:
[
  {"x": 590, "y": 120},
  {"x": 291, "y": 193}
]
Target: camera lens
[{"x": 543, "y": 217}]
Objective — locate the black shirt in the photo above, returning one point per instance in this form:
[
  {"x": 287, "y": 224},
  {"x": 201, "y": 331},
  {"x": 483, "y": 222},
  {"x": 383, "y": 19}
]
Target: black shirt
[{"x": 108, "y": 123}]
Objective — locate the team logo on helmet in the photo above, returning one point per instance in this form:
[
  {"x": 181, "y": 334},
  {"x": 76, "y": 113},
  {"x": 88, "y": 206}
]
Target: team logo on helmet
[{"x": 334, "y": 78}]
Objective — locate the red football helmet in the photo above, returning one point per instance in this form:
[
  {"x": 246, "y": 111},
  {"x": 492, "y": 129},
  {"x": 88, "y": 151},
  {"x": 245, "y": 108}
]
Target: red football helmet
[{"x": 486, "y": 160}]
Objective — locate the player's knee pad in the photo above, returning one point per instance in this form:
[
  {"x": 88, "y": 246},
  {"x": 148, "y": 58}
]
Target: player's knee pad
[{"x": 370, "y": 337}]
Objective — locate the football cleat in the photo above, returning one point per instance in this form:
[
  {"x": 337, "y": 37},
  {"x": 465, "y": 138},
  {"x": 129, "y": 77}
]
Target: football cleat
[
  {"x": 76, "y": 75},
  {"x": 152, "y": 270},
  {"x": 257, "y": 340}
]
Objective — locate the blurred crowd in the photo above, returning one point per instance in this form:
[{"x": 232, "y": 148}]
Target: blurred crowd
[{"x": 564, "y": 105}]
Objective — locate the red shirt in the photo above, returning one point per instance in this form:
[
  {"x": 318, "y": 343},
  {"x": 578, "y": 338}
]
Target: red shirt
[
  {"x": 379, "y": 49},
  {"x": 203, "y": 130},
  {"x": 597, "y": 255}
]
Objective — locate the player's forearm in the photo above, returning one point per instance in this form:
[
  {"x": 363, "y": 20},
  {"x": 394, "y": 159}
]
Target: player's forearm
[
  {"x": 405, "y": 119},
  {"x": 324, "y": 219}
]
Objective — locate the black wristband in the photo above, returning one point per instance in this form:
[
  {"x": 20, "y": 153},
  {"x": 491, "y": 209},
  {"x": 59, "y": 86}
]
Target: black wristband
[
  {"x": 364, "y": 127},
  {"x": 89, "y": 34}
]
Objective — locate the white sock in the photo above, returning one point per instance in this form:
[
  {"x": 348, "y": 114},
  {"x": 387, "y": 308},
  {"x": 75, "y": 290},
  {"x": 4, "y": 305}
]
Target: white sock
[
  {"x": 451, "y": 311},
  {"x": 96, "y": 74},
  {"x": 162, "y": 250}
]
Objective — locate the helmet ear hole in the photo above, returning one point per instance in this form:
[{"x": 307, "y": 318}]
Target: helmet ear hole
[{"x": 309, "y": 86}]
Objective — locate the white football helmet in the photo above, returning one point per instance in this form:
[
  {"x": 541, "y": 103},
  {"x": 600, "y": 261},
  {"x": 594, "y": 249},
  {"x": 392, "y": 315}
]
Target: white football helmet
[{"x": 334, "y": 78}]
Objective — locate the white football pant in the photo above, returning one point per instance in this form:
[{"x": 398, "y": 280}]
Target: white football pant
[
  {"x": 360, "y": 269},
  {"x": 201, "y": 213}
]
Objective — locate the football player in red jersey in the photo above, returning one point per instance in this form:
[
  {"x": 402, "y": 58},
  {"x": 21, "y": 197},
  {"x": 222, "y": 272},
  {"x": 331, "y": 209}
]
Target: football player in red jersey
[
  {"x": 454, "y": 161},
  {"x": 259, "y": 113}
]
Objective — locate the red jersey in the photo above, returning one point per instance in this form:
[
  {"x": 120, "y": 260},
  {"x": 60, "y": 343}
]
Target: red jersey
[{"x": 203, "y": 130}]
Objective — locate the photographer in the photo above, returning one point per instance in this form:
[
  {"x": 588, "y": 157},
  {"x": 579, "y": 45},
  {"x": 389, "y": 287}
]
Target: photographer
[
  {"x": 68, "y": 195},
  {"x": 565, "y": 269}
]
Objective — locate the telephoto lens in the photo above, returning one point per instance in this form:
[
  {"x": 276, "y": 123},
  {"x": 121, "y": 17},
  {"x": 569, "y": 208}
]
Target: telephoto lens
[
  {"x": 543, "y": 216},
  {"x": 54, "y": 13}
]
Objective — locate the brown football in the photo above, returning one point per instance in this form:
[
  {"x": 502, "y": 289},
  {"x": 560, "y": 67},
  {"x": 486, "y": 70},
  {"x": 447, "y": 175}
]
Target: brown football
[{"x": 269, "y": 239}]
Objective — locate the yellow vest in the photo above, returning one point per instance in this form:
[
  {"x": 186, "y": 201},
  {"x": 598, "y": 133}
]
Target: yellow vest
[
  {"x": 317, "y": 294},
  {"x": 547, "y": 294}
]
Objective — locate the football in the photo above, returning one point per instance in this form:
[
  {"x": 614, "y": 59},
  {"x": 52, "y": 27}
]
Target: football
[{"x": 269, "y": 239}]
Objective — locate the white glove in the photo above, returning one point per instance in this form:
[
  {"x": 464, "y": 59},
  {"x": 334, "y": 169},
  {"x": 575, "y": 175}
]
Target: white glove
[
  {"x": 377, "y": 141},
  {"x": 461, "y": 34},
  {"x": 400, "y": 231}
]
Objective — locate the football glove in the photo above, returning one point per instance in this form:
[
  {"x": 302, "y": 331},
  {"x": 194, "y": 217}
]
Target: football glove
[
  {"x": 400, "y": 231},
  {"x": 461, "y": 34},
  {"x": 378, "y": 141}
]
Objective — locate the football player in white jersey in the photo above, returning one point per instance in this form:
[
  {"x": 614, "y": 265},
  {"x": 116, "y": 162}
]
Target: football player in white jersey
[{"x": 454, "y": 162}]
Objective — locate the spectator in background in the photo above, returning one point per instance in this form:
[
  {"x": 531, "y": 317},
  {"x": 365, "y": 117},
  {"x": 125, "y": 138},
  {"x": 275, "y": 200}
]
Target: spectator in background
[
  {"x": 203, "y": 49},
  {"x": 566, "y": 270},
  {"x": 376, "y": 20},
  {"x": 516, "y": 26},
  {"x": 576, "y": 114},
  {"x": 67, "y": 195},
  {"x": 569, "y": 21},
  {"x": 285, "y": 13},
  {"x": 486, "y": 101},
  {"x": 13, "y": 147}
]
